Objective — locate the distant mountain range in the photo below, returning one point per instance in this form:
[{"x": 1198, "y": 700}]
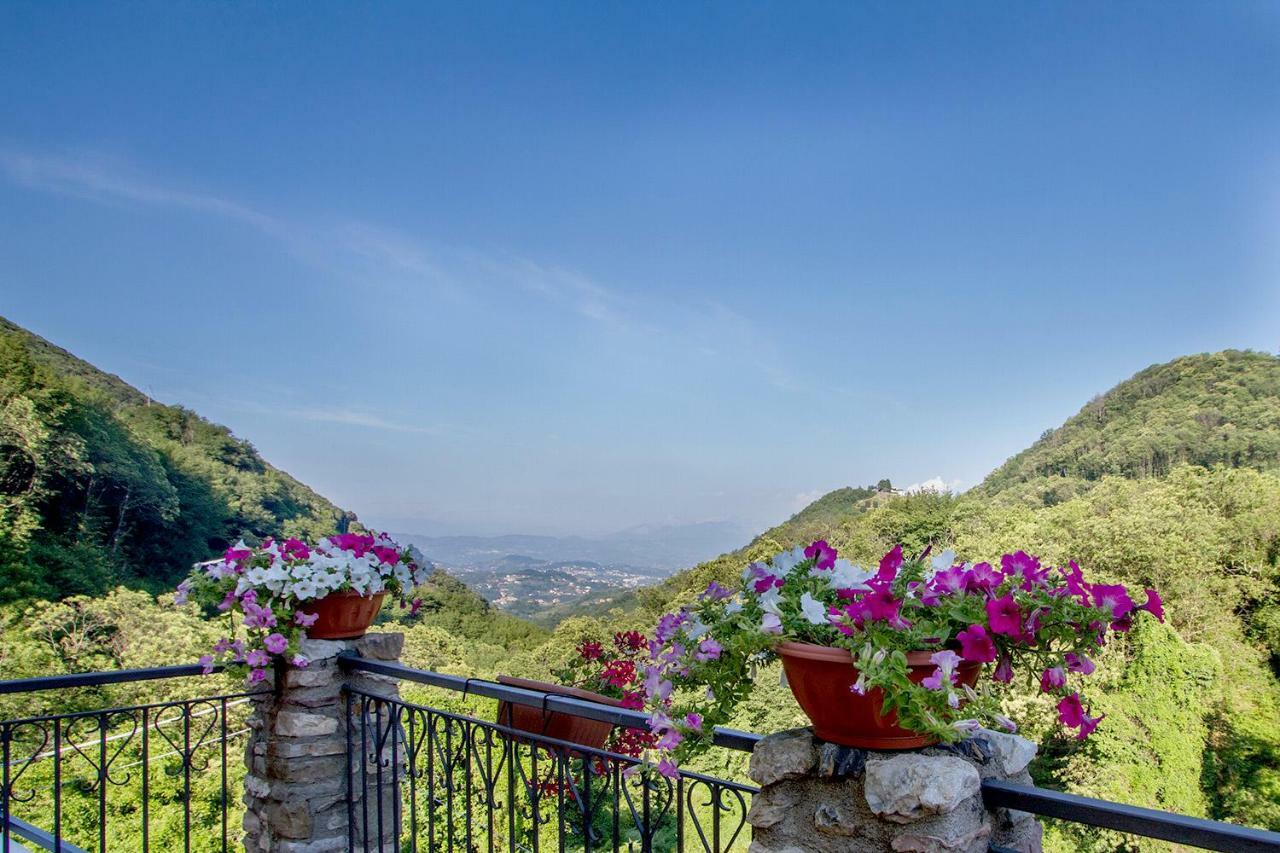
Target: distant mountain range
[
  {"x": 544, "y": 577},
  {"x": 651, "y": 548}
]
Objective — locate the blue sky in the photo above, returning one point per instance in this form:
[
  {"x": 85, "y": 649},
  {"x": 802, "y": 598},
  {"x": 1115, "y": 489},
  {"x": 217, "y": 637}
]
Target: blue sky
[{"x": 536, "y": 268}]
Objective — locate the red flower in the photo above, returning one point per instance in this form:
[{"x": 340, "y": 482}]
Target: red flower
[
  {"x": 632, "y": 641},
  {"x": 590, "y": 650}
]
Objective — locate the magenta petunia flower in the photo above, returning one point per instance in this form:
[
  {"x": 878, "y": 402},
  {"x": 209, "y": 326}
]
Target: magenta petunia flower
[
  {"x": 1025, "y": 568},
  {"x": 1078, "y": 663},
  {"x": 1114, "y": 599},
  {"x": 1052, "y": 679},
  {"x": 950, "y": 581},
  {"x": 1154, "y": 605},
  {"x": 693, "y": 721},
  {"x": 976, "y": 644},
  {"x": 354, "y": 542},
  {"x": 889, "y": 564},
  {"x": 1071, "y": 711},
  {"x": 1004, "y": 617},
  {"x": 256, "y": 675},
  {"x": 823, "y": 555},
  {"x": 982, "y": 578},
  {"x": 386, "y": 556},
  {"x": 1004, "y": 670},
  {"x": 1087, "y": 725}
]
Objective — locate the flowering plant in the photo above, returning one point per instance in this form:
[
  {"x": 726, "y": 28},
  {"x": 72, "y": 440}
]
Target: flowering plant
[
  {"x": 613, "y": 671},
  {"x": 1022, "y": 614},
  {"x": 269, "y": 587}
]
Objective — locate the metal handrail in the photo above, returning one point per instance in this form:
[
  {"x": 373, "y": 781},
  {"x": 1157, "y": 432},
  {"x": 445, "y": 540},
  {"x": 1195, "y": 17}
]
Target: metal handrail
[{"x": 95, "y": 679}]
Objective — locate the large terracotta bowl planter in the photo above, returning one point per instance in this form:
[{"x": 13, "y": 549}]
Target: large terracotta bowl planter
[
  {"x": 555, "y": 724},
  {"x": 821, "y": 678},
  {"x": 342, "y": 615}
]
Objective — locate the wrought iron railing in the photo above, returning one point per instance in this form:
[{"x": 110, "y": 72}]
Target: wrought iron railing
[
  {"x": 157, "y": 776},
  {"x": 448, "y": 782}
]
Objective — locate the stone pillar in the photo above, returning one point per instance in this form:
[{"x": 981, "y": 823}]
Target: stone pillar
[
  {"x": 296, "y": 788},
  {"x": 817, "y": 797}
]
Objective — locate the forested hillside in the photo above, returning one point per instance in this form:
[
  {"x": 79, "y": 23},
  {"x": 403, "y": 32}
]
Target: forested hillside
[
  {"x": 1206, "y": 410},
  {"x": 100, "y": 485}
]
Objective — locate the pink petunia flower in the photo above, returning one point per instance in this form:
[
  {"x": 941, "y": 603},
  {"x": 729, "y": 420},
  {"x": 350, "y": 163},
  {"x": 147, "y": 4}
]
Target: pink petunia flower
[
  {"x": 976, "y": 645},
  {"x": 1004, "y": 617},
  {"x": 306, "y": 620},
  {"x": 276, "y": 643},
  {"x": 944, "y": 676}
]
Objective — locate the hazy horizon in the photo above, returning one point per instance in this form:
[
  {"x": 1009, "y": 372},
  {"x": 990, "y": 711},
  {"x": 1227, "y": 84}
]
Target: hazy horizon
[{"x": 565, "y": 271}]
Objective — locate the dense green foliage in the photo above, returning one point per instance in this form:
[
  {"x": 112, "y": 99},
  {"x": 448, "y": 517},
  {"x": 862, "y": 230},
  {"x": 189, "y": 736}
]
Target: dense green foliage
[{"x": 100, "y": 485}]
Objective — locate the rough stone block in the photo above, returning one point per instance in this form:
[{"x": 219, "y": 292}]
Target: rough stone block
[
  {"x": 320, "y": 650},
  {"x": 380, "y": 646},
  {"x": 784, "y": 755},
  {"x": 1010, "y": 754},
  {"x": 299, "y": 724},
  {"x": 290, "y": 819},
  {"x": 911, "y": 786},
  {"x": 771, "y": 806}
]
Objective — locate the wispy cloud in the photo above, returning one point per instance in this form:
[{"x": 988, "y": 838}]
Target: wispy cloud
[
  {"x": 378, "y": 256},
  {"x": 100, "y": 181},
  {"x": 355, "y": 417}
]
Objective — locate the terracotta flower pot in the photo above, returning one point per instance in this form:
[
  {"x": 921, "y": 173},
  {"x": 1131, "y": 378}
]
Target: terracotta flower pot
[
  {"x": 821, "y": 678},
  {"x": 342, "y": 615},
  {"x": 555, "y": 724}
]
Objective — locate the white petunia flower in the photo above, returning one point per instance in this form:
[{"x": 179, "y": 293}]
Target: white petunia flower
[{"x": 813, "y": 609}]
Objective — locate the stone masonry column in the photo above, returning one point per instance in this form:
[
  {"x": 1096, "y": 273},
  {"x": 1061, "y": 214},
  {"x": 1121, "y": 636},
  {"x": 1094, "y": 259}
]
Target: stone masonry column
[
  {"x": 817, "y": 797},
  {"x": 296, "y": 788}
]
